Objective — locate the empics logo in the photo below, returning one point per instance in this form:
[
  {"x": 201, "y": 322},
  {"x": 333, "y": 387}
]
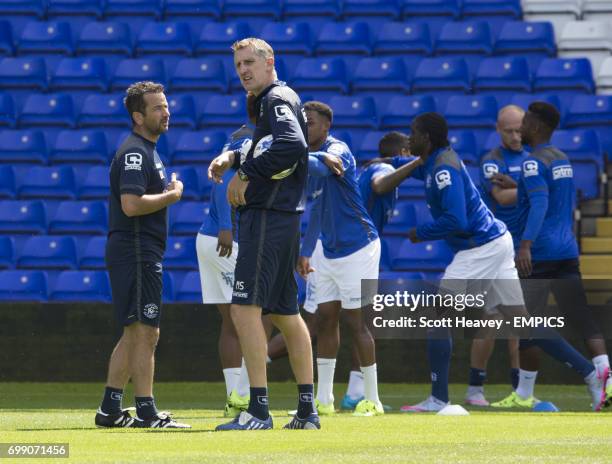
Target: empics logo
[
  {"x": 489, "y": 169},
  {"x": 133, "y": 161},
  {"x": 443, "y": 179},
  {"x": 562, "y": 172},
  {"x": 530, "y": 168}
]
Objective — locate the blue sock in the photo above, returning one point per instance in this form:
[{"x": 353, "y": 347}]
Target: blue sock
[
  {"x": 305, "y": 401},
  {"x": 477, "y": 377},
  {"x": 554, "y": 345},
  {"x": 111, "y": 403},
  {"x": 145, "y": 407},
  {"x": 439, "y": 353},
  {"x": 258, "y": 403},
  {"x": 514, "y": 377}
]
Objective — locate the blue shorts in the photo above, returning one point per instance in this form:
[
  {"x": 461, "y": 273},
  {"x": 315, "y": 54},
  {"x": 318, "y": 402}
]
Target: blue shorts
[{"x": 268, "y": 248}]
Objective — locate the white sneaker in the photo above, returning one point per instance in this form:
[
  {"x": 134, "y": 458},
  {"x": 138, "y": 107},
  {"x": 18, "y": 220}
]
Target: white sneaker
[
  {"x": 476, "y": 398},
  {"x": 431, "y": 404},
  {"x": 597, "y": 388}
]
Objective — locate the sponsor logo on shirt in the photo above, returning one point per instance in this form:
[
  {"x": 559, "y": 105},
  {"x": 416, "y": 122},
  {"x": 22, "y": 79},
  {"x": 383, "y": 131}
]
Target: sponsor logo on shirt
[
  {"x": 133, "y": 161},
  {"x": 561, "y": 172},
  {"x": 530, "y": 168},
  {"x": 283, "y": 113},
  {"x": 443, "y": 179},
  {"x": 489, "y": 169},
  {"x": 514, "y": 168}
]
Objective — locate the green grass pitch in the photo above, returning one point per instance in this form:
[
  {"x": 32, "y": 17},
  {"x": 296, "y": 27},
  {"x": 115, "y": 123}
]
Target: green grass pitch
[{"x": 64, "y": 412}]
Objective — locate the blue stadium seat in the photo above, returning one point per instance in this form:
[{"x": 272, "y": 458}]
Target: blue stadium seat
[
  {"x": 311, "y": 8},
  {"x": 23, "y": 146},
  {"x": 586, "y": 180},
  {"x": 351, "y": 38},
  {"x": 224, "y": 110},
  {"x": 190, "y": 8},
  {"x": 524, "y": 99},
  {"x": 502, "y": 74},
  {"x": 126, "y": 8},
  {"x": 103, "y": 111},
  {"x": 164, "y": 38},
  {"x": 21, "y": 285},
  {"x": 186, "y": 217},
  {"x": 81, "y": 286},
  {"x": 7, "y": 251},
  {"x": 388, "y": 9},
  {"x": 422, "y": 213},
  {"x": 47, "y": 110},
  {"x": 27, "y": 72},
  {"x": 142, "y": 69},
  {"x": 105, "y": 38},
  {"x": 421, "y": 256},
  {"x": 48, "y": 182},
  {"x": 7, "y": 111},
  {"x": 190, "y": 289},
  {"x": 450, "y": 9},
  {"x": 48, "y": 252},
  {"x": 199, "y": 74},
  {"x": 380, "y": 74},
  {"x": 354, "y": 112},
  {"x": 403, "y": 218},
  {"x": 590, "y": 111},
  {"x": 445, "y": 74},
  {"x": 526, "y": 38},
  {"x": 411, "y": 188},
  {"x": 492, "y": 141},
  {"x": 79, "y": 146},
  {"x": 252, "y": 8},
  {"x": 80, "y": 217},
  {"x": 95, "y": 184},
  {"x": 53, "y": 37},
  {"x": 182, "y": 111},
  {"x": 180, "y": 253},
  {"x": 6, "y": 38},
  {"x": 217, "y": 37},
  {"x": 564, "y": 74},
  {"x": 369, "y": 147},
  {"x": 7, "y": 181},
  {"x": 581, "y": 145},
  {"x": 33, "y": 8},
  {"x": 464, "y": 143},
  {"x": 69, "y": 8},
  {"x": 467, "y": 37},
  {"x": 188, "y": 176},
  {"x": 472, "y": 111},
  {"x": 168, "y": 287},
  {"x": 92, "y": 254},
  {"x": 198, "y": 147},
  {"x": 23, "y": 217},
  {"x": 320, "y": 74},
  {"x": 401, "y": 110},
  {"x": 491, "y": 9},
  {"x": 80, "y": 73},
  {"x": 289, "y": 38},
  {"x": 413, "y": 38}
]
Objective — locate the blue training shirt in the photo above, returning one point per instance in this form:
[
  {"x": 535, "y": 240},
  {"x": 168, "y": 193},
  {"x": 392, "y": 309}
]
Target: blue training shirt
[
  {"x": 219, "y": 215},
  {"x": 509, "y": 162},
  {"x": 338, "y": 213},
  {"x": 379, "y": 207},
  {"x": 547, "y": 198},
  {"x": 460, "y": 215}
]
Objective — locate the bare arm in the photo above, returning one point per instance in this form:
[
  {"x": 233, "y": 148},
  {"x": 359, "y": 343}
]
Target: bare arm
[
  {"x": 385, "y": 184},
  {"x": 134, "y": 205},
  {"x": 504, "y": 197}
]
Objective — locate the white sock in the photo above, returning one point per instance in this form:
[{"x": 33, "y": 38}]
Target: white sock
[
  {"x": 355, "y": 387},
  {"x": 325, "y": 380},
  {"x": 370, "y": 381},
  {"x": 601, "y": 363},
  {"x": 231, "y": 376},
  {"x": 474, "y": 390},
  {"x": 527, "y": 380},
  {"x": 243, "y": 385}
]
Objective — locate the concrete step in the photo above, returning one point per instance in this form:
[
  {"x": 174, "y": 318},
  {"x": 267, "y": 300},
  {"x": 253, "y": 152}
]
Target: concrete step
[
  {"x": 600, "y": 265},
  {"x": 596, "y": 245},
  {"x": 594, "y": 282},
  {"x": 604, "y": 227}
]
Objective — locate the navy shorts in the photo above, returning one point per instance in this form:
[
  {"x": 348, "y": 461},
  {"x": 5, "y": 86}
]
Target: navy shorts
[
  {"x": 137, "y": 292},
  {"x": 268, "y": 248}
]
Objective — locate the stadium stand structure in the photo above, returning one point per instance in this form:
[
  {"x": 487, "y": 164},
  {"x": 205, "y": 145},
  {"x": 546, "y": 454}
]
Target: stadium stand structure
[{"x": 378, "y": 63}]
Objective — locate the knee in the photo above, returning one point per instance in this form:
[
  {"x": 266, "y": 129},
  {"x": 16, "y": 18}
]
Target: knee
[{"x": 144, "y": 335}]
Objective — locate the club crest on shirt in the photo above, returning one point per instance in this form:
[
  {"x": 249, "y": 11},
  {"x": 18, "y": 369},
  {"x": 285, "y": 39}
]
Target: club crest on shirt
[
  {"x": 133, "y": 161},
  {"x": 489, "y": 169},
  {"x": 530, "y": 168},
  {"x": 151, "y": 311},
  {"x": 443, "y": 179}
]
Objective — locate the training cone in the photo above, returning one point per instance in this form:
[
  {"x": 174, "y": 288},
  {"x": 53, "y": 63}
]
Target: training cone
[
  {"x": 453, "y": 410},
  {"x": 545, "y": 406}
]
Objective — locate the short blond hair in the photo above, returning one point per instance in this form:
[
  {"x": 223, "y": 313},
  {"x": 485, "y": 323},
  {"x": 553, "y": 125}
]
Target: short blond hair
[{"x": 259, "y": 46}]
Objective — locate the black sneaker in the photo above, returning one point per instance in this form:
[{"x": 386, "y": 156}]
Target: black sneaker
[
  {"x": 163, "y": 420},
  {"x": 118, "y": 419}
]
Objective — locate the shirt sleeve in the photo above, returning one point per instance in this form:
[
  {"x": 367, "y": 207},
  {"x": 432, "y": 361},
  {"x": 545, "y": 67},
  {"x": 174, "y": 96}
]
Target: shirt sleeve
[
  {"x": 533, "y": 178},
  {"x": 451, "y": 198},
  {"x": 288, "y": 144},
  {"x": 318, "y": 168},
  {"x": 313, "y": 230},
  {"x": 133, "y": 172},
  {"x": 218, "y": 196},
  {"x": 381, "y": 169},
  {"x": 488, "y": 168},
  {"x": 399, "y": 161}
]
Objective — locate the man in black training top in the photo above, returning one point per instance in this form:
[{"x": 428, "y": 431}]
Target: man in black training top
[
  {"x": 138, "y": 218},
  {"x": 269, "y": 188}
]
